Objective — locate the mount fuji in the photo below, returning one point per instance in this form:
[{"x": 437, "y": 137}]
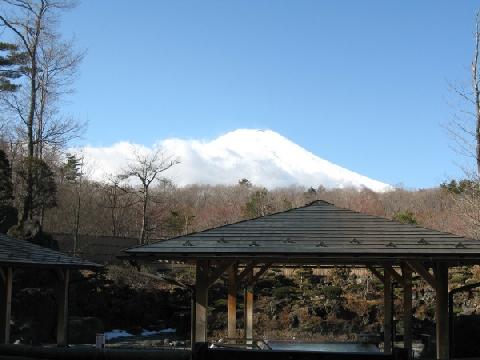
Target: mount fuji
[{"x": 264, "y": 157}]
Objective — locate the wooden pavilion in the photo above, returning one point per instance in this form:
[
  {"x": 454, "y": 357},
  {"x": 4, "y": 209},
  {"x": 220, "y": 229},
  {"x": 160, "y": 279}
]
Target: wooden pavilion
[
  {"x": 319, "y": 234},
  {"x": 16, "y": 254}
]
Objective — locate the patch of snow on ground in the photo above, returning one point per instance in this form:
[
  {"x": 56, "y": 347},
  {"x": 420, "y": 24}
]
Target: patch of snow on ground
[
  {"x": 167, "y": 331},
  {"x": 116, "y": 333},
  {"x": 156, "y": 332}
]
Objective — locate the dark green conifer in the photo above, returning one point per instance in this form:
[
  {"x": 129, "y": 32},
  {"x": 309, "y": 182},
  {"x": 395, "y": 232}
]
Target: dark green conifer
[
  {"x": 6, "y": 188},
  {"x": 8, "y": 214},
  {"x": 12, "y": 66}
]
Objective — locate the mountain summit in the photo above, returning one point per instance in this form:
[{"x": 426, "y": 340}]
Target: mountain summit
[{"x": 264, "y": 157}]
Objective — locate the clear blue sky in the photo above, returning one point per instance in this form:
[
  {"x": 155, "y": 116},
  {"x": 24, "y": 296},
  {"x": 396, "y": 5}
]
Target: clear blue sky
[{"x": 363, "y": 84}]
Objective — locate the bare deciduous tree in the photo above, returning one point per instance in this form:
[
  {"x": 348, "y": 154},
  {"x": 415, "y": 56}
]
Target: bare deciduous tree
[
  {"x": 476, "y": 91},
  {"x": 464, "y": 128},
  {"x": 115, "y": 198},
  {"x": 58, "y": 65},
  {"x": 146, "y": 169},
  {"x": 50, "y": 64}
]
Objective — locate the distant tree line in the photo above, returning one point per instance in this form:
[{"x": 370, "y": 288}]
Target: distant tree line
[{"x": 114, "y": 208}]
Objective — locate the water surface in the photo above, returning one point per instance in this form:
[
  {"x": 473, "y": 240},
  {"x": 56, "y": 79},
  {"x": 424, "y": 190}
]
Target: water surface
[{"x": 332, "y": 347}]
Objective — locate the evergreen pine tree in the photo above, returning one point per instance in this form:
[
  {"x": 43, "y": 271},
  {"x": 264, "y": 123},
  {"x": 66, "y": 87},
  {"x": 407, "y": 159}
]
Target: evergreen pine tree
[
  {"x": 11, "y": 66},
  {"x": 8, "y": 214},
  {"x": 6, "y": 188},
  {"x": 44, "y": 190}
]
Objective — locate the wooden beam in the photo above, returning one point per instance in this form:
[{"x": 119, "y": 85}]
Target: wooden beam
[
  {"x": 407, "y": 309},
  {"x": 421, "y": 270},
  {"x": 388, "y": 313},
  {"x": 246, "y": 271},
  {"x": 377, "y": 274},
  {"x": 388, "y": 268},
  {"x": 215, "y": 273},
  {"x": 6, "y": 305},
  {"x": 3, "y": 274},
  {"x": 260, "y": 272},
  {"x": 201, "y": 300},
  {"x": 62, "y": 303},
  {"x": 441, "y": 311},
  {"x": 232, "y": 301}
]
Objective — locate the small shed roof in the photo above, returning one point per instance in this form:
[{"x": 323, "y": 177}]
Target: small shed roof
[
  {"x": 319, "y": 232},
  {"x": 21, "y": 253}
]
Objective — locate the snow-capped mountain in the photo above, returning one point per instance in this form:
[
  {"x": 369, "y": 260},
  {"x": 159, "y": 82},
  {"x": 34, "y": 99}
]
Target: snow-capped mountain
[{"x": 262, "y": 156}]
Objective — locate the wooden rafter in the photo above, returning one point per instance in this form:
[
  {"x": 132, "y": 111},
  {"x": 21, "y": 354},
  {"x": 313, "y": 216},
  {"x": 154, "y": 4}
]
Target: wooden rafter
[
  {"x": 215, "y": 273},
  {"x": 421, "y": 270},
  {"x": 388, "y": 268},
  {"x": 377, "y": 274},
  {"x": 261, "y": 271},
  {"x": 246, "y": 271}
]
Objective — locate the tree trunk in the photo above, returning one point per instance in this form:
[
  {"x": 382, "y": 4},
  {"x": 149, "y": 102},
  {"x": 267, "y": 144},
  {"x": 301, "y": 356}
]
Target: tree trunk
[
  {"x": 39, "y": 139},
  {"x": 77, "y": 222},
  {"x": 27, "y": 208},
  {"x": 476, "y": 93},
  {"x": 144, "y": 216},
  {"x": 114, "y": 223},
  {"x": 114, "y": 216},
  {"x": 28, "y": 203}
]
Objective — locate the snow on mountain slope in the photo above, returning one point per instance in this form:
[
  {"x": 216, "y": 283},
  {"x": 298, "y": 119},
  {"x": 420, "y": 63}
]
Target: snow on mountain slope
[{"x": 262, "y": 156}]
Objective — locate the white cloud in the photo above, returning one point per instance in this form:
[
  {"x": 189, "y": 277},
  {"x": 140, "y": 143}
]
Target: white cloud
[{"x": 262, "y": 156}]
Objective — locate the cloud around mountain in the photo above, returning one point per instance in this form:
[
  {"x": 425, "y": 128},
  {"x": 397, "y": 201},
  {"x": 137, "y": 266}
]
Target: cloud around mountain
[{"x": 262, "y": 156}]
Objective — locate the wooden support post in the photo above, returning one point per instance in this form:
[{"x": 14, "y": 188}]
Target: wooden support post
[
  {"x": 6, "y": 305},
  {"x": 248, "y": 309},
  {"x": 441, "y": 312},
  {"x": 192, "y": 320},
  {"x": 388, "y": 313},
  {"x": 62, "y": 300},
  {"x": 232, "y": 301},
  {"x": 407, "y": 309},
  {"x": 201, "y": 300}
]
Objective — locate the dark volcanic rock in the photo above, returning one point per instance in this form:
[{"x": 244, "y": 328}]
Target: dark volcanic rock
[
  {"x": 34, "y": 316},
  {"x": 82, "y": 330}
]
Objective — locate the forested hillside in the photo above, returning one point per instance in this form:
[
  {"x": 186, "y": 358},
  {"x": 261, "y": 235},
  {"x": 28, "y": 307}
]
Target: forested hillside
[{"x": 110, "y": 209}]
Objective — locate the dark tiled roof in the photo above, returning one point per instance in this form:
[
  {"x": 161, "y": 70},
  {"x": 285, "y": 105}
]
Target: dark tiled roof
[
  {"x": 16, "y": 252},
  {"x": 319, "y": 230}
]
